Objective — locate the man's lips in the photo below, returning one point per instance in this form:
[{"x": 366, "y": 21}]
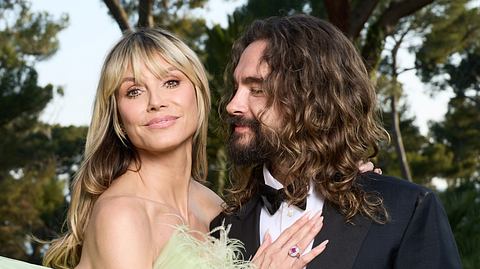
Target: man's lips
[
  {"x": 241, "y": 128},
  {"x": 162, "y": 122}
]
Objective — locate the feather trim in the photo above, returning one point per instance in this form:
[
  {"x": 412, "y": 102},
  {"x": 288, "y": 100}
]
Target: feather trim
[{"x": 186, "y": 251}]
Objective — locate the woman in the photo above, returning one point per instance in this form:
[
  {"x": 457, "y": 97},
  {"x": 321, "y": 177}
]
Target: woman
[{"x": 137, "y": 200}]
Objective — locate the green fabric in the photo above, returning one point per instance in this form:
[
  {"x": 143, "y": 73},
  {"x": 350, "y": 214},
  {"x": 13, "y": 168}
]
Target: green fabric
[
  {"x": 6, "y": 263},
  {"x": 184, "y": 251}
]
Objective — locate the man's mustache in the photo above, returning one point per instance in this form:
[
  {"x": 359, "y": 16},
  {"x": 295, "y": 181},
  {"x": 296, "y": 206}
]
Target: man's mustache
[{"x": 242, "y": 121}]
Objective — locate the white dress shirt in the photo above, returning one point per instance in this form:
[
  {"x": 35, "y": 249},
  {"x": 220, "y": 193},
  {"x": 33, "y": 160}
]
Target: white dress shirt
[{"x": 287, "y": 214}]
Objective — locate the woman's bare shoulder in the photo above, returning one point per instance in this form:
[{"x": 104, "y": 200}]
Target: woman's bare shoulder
[
  {"x": 118, "y": 208},
  {"x": 123, "y": 232},
  {"x": 208, "y": 200},
  {"x": 118, "y": 234},
  {"x": 141, "y": 212}
]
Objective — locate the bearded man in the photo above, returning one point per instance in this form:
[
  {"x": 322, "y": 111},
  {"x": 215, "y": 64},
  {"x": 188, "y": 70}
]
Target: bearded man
[{"x": 302, "y": 115}]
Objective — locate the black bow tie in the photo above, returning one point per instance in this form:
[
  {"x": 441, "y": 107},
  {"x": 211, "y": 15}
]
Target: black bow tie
[{"x": 273, "y": 198}]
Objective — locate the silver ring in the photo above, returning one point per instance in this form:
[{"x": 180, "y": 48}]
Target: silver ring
[{"x": 294, "y": 252}]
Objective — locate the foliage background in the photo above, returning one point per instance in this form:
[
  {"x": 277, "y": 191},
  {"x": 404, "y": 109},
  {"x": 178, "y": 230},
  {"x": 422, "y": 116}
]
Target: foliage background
[{"x": 37, "y": 160}]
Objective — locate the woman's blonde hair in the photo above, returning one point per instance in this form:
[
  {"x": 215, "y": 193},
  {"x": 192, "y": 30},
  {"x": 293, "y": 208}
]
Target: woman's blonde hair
[{"x": 108, "y": 152}]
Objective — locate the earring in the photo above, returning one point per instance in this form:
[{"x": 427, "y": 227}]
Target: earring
[{"x": 122, "y": 128}]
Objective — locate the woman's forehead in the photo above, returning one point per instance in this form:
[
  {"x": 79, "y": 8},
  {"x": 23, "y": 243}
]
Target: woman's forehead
[{"x": 157, "y": 66}]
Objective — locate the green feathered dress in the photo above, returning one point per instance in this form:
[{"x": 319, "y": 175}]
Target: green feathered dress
[{"x": 182, "y": 251}]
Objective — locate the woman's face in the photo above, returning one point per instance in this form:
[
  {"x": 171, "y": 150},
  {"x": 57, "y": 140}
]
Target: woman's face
[{"x": 158, "y": 115}]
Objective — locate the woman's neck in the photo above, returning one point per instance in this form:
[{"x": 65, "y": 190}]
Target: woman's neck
[{"x": 166, "y": 177}]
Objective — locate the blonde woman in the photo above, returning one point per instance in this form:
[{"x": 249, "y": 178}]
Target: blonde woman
[{"x": 137, "y": 199}]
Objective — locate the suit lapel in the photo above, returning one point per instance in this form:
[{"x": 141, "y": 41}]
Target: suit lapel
[
  {"x": 248, "y": 226},
  {"x": 242, "y": 225},
  {"x": 249, "y": 218},
  {"x": 345, "y": 239}
]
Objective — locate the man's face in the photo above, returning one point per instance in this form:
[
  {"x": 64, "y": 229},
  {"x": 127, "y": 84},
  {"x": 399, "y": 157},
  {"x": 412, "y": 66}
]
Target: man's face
[{"x": 246, "y": 143}]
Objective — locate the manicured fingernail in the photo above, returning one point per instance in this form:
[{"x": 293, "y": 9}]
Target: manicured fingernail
[
  {"x": 308, "y": 215},
  {"x": 267, "y": 235}
]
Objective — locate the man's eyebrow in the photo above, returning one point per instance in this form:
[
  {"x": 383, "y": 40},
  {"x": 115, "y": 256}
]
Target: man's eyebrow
[{"x": 252, "y": 80}]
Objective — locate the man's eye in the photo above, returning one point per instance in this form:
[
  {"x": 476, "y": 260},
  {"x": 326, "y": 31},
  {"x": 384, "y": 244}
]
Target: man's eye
[
  {"x": 256, "y": 91},
  {"x": 133, "y": 92},
  {"x": 171, "y": 83}
]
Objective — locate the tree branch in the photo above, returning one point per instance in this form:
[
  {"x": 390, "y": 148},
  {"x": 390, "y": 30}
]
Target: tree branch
[
  {"x": 339, "y": 14},
  {"x": 405, "y": 70},
  {"x": 398, "y": 10},
  {"x": 385, "y": 26},
  {"x": 145, "y": 17},
  {"x": 394, "y": 53},
  {"x": 474, "y": 100},
  {"x": 118, "y": 14},
  {"x": 360, "y": 14}
]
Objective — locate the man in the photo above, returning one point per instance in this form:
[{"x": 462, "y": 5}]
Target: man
[{"x": 302, "y": 115}]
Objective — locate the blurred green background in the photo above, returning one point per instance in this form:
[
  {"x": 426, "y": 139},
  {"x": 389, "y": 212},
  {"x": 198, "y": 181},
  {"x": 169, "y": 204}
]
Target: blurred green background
[{"x": 38, "y": 159}]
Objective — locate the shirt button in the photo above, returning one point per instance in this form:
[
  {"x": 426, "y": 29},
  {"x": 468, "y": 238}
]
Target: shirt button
[{"x": 290, "y": 213}]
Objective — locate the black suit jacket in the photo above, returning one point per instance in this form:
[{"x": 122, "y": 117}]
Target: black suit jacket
[{"x": 418, "y": 234}]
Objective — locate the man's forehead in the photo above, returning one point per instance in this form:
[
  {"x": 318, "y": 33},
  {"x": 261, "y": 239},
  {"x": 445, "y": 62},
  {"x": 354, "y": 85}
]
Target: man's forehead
[{"x": 250, "y": 64}]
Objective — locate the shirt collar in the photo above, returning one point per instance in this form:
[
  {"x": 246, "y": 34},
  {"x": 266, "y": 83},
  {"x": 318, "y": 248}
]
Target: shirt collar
[
  {"x": 270, "y": 180},
  {"x": 274, "y": 183}
]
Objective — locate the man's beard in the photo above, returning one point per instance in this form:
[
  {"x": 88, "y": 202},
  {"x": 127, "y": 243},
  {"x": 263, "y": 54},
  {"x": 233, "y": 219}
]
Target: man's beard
[{"x": 254, "y": 151}]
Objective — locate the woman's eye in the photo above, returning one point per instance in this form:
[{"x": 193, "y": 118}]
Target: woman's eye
[
  {"x": 133, "y": 92},
  {"x": 172, "y": 83}
]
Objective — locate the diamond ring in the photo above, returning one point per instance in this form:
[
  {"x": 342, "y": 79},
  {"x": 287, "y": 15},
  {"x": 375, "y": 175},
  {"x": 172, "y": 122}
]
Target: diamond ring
[{"x": 294, "y": 252}]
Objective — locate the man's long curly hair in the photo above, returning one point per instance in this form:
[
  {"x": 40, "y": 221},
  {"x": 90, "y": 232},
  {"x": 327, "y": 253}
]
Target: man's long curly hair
[{"x": 322, "y": 90}]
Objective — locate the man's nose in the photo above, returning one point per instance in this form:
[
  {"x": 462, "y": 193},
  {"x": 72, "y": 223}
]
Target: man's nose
[{"x": 238, "y": 105}]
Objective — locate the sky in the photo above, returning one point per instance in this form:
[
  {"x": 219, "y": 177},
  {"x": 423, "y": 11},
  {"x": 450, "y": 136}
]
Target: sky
[
  {"x": 83, "y": 47},
  {"x": 91, "y": 33}
]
